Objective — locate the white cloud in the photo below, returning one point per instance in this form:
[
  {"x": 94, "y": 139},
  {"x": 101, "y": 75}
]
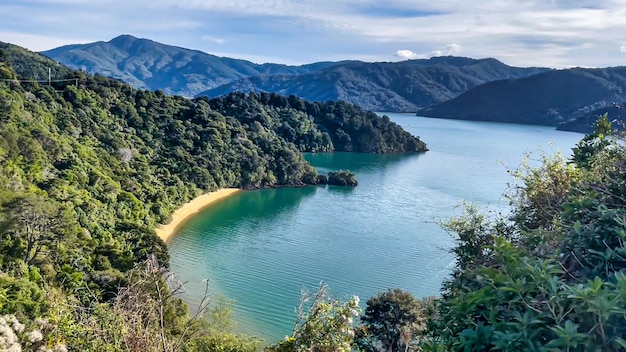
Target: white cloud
[
  {"x": 407, "y": 54},
  {"x": 622, "y": 49},
  {"x": 450, "y": 49}
]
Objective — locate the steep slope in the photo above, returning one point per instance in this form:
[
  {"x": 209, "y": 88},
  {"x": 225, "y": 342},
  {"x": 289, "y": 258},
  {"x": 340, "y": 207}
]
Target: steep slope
[
  {"x": 384, "y": 86},
  {"x": 150, "y": 65},
  {"x": 549, "y": 98}
]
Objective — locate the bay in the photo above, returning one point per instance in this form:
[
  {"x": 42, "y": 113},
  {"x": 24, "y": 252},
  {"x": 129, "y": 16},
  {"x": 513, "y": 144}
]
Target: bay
[{"x": 259, "y": 248}]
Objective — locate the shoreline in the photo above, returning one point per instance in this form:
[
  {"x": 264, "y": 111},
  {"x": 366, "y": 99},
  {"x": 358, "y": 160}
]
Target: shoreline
[{"x": 187, "y": 210}]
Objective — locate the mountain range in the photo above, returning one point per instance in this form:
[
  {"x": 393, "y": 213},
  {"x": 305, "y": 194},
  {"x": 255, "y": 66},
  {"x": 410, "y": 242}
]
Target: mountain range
[
  {"x": 573, "y": 97},
  {"x": 385, "y": 86},
  {"x": 448, "y": 86},
  {"x": 404, "y": 86},
  {"x": 146, "y": 64}
]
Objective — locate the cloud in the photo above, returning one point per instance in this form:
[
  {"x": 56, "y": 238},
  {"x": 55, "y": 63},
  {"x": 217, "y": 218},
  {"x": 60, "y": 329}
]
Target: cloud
[
  {"x": 622, "y": 49},
  {"x": 450, "y": 49},
  {"x": 406, "y": 54}
]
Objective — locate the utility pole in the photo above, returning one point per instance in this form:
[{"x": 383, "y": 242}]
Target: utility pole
[{"x": 49, "y": 76}]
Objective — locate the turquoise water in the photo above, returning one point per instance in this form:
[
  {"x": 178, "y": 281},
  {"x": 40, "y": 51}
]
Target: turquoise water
[{"x": 260, "y": 248}]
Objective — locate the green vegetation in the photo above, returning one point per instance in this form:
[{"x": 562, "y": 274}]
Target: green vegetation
[
  {"x": 318, "y": 127},
  {"x": 89, "y": 167},
  {"x": 342, "y": 178},
  {"x": 323, "y": 324},
  {"x": 88, "y": 171},
  {"x": 553, "y": 277},
  {"x": 393, "y": 320}
]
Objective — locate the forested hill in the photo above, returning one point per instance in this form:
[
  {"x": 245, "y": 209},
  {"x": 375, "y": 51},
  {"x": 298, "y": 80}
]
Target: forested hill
[
  {"x": 89, "y": 167},
  {"x": 318, "y": 126},
  {"x": 385, "y": 86},
  {"x": 549, "y": 98},
  {"x": 146, "y": 64}
]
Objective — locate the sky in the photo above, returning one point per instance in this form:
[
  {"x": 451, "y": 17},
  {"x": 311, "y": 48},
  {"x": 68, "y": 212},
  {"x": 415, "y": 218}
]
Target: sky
[{"x": 550, "y": 33}]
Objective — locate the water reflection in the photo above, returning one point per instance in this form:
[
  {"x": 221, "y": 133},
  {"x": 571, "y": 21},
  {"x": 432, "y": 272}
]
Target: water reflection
[
  {"x": 251, "y": 205},
  {"x": 356, "y": 162}
]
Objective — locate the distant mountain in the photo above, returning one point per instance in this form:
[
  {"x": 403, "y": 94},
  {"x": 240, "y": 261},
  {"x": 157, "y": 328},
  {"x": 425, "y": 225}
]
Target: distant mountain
[
  {"x": 585, "y": 124},
  {"x": 548, "y": 98},
  {"x": 150, "y": 65},
  {"x": 384, "y": 86}
]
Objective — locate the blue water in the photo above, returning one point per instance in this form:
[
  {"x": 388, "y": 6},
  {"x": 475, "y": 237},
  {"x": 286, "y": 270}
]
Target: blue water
[{"x": 259, "y": 248}]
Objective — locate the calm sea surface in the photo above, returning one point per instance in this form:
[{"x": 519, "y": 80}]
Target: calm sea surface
[{"x": 259, "y": 248}]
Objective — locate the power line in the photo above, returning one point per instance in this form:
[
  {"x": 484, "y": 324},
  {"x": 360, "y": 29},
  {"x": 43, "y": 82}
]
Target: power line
[{"x": 39, "y": 81}]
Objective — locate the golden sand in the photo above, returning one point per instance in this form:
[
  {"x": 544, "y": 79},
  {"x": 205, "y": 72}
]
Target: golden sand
[{"x": 182, "y": 214}]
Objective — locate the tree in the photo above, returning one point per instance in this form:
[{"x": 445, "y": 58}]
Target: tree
[
  {"x": 593, "y": 143},
  {"x": 342, "y": 178},
  {"x": 33, "y": 222},
  {"x": 326, "y": 326},
  {"x": 391, "y": 321}
]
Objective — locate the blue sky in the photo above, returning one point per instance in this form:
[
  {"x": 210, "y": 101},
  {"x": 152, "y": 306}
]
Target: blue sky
[{"x": 554, "y": 33}]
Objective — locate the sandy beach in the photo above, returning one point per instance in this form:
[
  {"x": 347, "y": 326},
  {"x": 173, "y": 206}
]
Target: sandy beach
[{"x": 182, "y": 214}]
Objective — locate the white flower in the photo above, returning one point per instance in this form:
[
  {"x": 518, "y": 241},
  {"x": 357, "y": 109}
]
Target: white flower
[
  {"x": 60, "y": 348},
  {"x": 34, "y": 336},
  {"x": 15, "y": 348},
  {"x": 17, "y": 326},
  {"x": 7, "y": 336}
]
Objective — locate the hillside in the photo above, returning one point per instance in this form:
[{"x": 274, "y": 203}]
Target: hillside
[
  {"x": 90, "y": 166},
  {"x": 146, "y": 64},
  {"x": 585, "y": 124},
  {"x": 549, "y": 98},
  {"x": 385, "y": 86}
]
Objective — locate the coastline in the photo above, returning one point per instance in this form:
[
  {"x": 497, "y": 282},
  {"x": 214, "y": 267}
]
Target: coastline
[{"x": 182, "y": 214}]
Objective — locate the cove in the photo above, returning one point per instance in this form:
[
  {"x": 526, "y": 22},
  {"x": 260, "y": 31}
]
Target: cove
[{"x": 260, "y": 248}]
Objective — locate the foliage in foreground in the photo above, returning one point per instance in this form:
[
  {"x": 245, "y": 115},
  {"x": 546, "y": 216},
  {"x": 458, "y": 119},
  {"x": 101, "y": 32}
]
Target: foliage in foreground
[
  {"x": 323, "y": 324},
  {"x": 553, "y": 277}
]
